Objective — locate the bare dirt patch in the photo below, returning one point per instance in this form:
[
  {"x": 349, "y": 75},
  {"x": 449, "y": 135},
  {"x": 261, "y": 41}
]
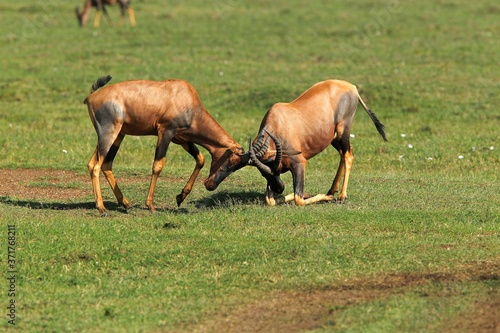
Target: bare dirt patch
[
  {"x": 50, "y": 184},
  {"x": 484, "y": 318},
  {"x": 43, "y": 184},
  {"x": 297, "y": 311},
  {"x": 62, "y": 189}
]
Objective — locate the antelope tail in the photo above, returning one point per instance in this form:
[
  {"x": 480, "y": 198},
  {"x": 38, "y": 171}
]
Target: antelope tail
[
  {"x": 101, "y": 82},
  {"x": 380, "y": 127}
]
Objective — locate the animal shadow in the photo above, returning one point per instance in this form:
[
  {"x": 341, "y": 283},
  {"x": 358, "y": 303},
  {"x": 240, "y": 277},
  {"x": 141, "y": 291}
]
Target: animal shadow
[
  {"x": 224, "y": 199},
  {"x": 34, "y": 204}
]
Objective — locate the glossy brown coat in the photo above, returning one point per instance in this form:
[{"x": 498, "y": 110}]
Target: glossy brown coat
[
  {"x": 320, "y": 117},
  {"x": 170, "y": 110}
]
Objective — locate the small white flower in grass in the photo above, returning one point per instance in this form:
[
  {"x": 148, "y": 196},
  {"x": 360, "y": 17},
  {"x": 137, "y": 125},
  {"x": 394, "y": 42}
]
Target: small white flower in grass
[
  {"x": 410, "y": 146},
  {"x": 473, "y": 148},
  {"x": 352, "y": 135},
  {"x": 64, "y": 151},
  {"x": 492, "y": 148},
  {"x": 403, "y": 135},
  {"x": 429, "y": 158},
  {"x": 460, "y": 157},
  {"x": 401, "y": 157}
]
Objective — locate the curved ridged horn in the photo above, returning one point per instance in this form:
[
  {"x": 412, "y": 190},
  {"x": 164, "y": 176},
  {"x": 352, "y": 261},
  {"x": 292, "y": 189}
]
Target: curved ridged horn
[
  {"x": 279, "y": 149},
  {"x": 259, "y": 146},
  {"x": 261, "y": 166},
  {"x": 262, "y": 148},
  {"x": 259, "y": 149}
]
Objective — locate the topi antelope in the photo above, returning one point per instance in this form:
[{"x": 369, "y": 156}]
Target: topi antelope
[
  {"x": 298, "y": 131},
  {"x": 101, "y": 5},
  {"x": 169, "y": 109}
]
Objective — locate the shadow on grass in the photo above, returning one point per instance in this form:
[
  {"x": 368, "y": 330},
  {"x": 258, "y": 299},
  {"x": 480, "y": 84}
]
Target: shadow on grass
[
  {"x": 110, "y": 206},
  {"x": 218, "y": 200},
  {"x": 225, "y": 199},
  {"x": 33, "y": 204}
]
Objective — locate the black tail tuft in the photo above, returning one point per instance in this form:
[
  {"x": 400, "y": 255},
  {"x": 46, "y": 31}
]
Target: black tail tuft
[
  {"x": 380, "y": 127},
  {"x": 101, "y": 82}
]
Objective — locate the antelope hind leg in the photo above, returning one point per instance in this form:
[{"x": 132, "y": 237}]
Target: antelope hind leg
[{"x": 107, "y": 169}]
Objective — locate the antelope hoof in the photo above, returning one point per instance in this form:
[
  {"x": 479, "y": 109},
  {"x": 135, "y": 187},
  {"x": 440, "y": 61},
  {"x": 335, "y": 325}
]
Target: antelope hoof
[
  {"x": 179, "y": 198},
  {"x": 151, "y": 207},
  {"x": 103, "y": 213},
  {"x": 329, "y": 198},
  {"x": 270, "y": 202},
  {"x": 340, "y": 200},
  {"x": 126, "y": 204}
]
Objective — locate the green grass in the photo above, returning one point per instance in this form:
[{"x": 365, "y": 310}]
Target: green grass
[{"x": 428, "y": 69}]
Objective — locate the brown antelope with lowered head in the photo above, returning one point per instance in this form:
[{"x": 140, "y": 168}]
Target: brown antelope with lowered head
[
  {"x": 99, "y": 5},
  {"x": 171, "y": 110},
  {"x": 298, "y": 131}
]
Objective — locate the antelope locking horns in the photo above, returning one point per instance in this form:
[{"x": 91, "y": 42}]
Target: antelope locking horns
[
  {"x": 279, "y": 150},
  {"x": 259, "y": 148}
]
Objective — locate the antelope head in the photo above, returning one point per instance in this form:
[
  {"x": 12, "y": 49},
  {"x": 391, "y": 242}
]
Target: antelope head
[{"x": 233, "y": 160}]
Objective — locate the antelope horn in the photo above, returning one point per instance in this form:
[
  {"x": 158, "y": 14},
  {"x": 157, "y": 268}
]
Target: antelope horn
[
  {"x": 259, "y": 147},
  {"x": 279, "y": 150},
  {"x": 255, "y": 156},
  {"x": 255, "y": 161},
  {"x": 263, "y": 149}
]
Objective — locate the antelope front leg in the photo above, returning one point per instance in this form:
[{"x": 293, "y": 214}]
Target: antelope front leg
[
  {"x": 200, "y": 162},
  {"x": 319, "y": 198},
  {"x": 310, "y": 200},
  {"x": 298, "y": 174},
  {"x": 270, "y": 201}
]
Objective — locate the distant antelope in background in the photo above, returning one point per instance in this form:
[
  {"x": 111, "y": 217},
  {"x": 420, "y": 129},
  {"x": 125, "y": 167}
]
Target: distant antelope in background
[{"x": 100, "y": 5}]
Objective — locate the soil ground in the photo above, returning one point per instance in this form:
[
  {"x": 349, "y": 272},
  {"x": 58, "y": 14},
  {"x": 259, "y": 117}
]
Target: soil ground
[
  {"x": 33, "y": 184},
  {"x": 298, "y": 311},
  {"x": 291, "y": 311}
]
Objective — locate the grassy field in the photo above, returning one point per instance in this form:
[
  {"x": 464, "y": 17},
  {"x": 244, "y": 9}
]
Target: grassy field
[{"x": 416, "y": 247}]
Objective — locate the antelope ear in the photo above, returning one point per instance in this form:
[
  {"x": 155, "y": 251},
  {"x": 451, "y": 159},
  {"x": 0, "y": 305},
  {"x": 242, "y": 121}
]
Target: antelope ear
[
  {"x": 220, "y": 161},
  {"x": 291, "y": 153},
  {"x": 236, "y": 151},
  {"x": 228, "y": 153}
]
